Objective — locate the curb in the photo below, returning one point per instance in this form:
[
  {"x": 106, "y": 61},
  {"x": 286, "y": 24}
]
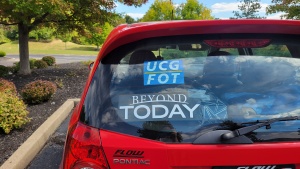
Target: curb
[{"x": 32, "y": 146}]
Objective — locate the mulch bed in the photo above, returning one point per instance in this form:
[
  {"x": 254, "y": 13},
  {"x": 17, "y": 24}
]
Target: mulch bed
[{"x": 71, "y": 78}]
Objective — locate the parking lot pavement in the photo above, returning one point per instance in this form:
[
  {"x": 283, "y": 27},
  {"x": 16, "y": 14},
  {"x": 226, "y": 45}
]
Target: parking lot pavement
[
  {"x": 52, "y": 134},
  {"x": 50, "y": 156}
]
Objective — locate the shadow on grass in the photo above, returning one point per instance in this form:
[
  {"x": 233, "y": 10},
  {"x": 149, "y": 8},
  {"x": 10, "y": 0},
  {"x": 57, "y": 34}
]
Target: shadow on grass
[{"x": 83, "y": 48}]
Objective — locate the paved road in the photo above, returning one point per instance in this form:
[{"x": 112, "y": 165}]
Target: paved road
[{"x": 8, "y": 60}]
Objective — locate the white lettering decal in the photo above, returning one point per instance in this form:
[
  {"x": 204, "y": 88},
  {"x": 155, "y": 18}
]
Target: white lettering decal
[
  {"x": 184, "y": 98},
  {"x": 172, "y": 99},
  {"x": 174, "y": 65},
  {"x": 126, "y": 110},
  {"x": 178, "y": 112},
  {"x": 135, "y": 100},
  {"x": 143, "y": 98},
  {"x": 161, "y": 65},
  {"x": 135, "y": 112},
  {"x": 164, "y": 106},
  {"x": 191, "y": 110},
  {"x": 162, "y": 98},
  {"x": 150, "y": 77},
  {"x": 151, "y": 98},
  {"x": 154, "y": 66},
  {"x": 175, "y": 76},
  {"x": 156, "y": 116},
  {"x": 163, "y": 78},
  {"x": 179, "y": 98}
]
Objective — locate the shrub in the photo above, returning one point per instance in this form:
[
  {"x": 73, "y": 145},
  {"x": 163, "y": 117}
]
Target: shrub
[
  {"x": 3, "y": 71},
  {"x": 59, "y": 83},
  {"x": 32, "y": 63},
  {"x": 16, "y": 67},
  {"x": 7, "y": 86},
  {"x": 13, "y": 113},
  {"x": 50, "y": 60},
  {"x": 40, "y": 64},
  {"x": 12, "y": 34},
  {"x": 2, "y": 54},
  {"x": 3, "y": 38},
  {"x": 38, "y": 91},
  {"x": 42, "y": 34}
]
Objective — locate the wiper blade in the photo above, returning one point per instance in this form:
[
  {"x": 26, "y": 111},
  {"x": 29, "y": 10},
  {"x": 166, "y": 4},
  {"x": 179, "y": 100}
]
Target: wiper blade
[{"x": 256, "y": 124}]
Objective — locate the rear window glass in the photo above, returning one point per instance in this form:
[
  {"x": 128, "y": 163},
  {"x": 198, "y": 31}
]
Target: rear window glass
[{"x": 174, "y": 89}]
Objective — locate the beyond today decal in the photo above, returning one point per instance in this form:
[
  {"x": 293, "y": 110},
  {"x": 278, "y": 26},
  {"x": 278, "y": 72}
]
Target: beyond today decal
[
  {"x": 163, "y": 72},
  {"x": 154, "y": 107}
]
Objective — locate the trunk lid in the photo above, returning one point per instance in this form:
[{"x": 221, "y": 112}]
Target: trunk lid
[{"x": 123, "y": 151}]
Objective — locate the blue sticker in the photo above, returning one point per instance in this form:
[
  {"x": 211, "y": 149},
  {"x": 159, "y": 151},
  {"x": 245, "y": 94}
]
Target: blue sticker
[{"x": 163, "y": 72}]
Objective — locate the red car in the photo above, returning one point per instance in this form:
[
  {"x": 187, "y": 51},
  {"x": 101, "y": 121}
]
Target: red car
[{"x": 191, "y": 95}]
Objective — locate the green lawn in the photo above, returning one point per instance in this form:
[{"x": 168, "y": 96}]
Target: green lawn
[{"x": 48, "y": 48}]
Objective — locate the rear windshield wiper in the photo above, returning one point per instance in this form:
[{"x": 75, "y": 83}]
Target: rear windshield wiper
[{"x": 253, "y": 126}]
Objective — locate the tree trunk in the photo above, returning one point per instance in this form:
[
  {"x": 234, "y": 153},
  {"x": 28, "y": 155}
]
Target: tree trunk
[{"x": 24, "y": 49}]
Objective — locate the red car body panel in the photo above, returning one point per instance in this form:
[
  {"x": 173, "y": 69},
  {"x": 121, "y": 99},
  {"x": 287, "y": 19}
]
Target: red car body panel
[
  {"x": 129, "y": 33},
  {"x": 189, "y": 156}
]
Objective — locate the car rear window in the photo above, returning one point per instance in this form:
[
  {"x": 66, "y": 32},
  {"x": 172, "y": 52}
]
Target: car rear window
[{"x": 174, "y": 89}]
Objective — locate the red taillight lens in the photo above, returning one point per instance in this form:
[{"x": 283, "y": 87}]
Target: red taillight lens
[{"x": 83, "y": 149}]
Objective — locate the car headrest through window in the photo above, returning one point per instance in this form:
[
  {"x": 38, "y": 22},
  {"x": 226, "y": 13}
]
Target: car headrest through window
[{"x": 140, "y": 56}]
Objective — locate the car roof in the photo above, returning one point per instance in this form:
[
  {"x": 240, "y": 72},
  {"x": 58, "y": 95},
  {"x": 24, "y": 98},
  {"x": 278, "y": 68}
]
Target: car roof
[{"x": 127, "y": 33}]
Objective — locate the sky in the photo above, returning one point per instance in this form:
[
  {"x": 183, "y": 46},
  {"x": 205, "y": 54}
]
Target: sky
[{"x": 221, "y": 9}]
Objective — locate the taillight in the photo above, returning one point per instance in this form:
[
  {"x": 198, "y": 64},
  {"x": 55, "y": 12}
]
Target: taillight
[{"x": 83, "y": 149}]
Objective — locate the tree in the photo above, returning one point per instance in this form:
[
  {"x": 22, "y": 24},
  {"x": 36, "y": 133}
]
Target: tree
[
  {"x": 129, "y": 19},
  {"x": 74, "y": 14},
  {"x": 290, "y": 8},
  {"x": 164, "y": 10},
  {"x": 98, "y": 34},
  {"x": 160, "y": 10},
  {"x": 192, "y": 9},
  {"x": 65, "y": 34},
  {"x": 249, "y": 9},
  {"x": 3, "y": 38},
  {"x": 42, "y": 34}
]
